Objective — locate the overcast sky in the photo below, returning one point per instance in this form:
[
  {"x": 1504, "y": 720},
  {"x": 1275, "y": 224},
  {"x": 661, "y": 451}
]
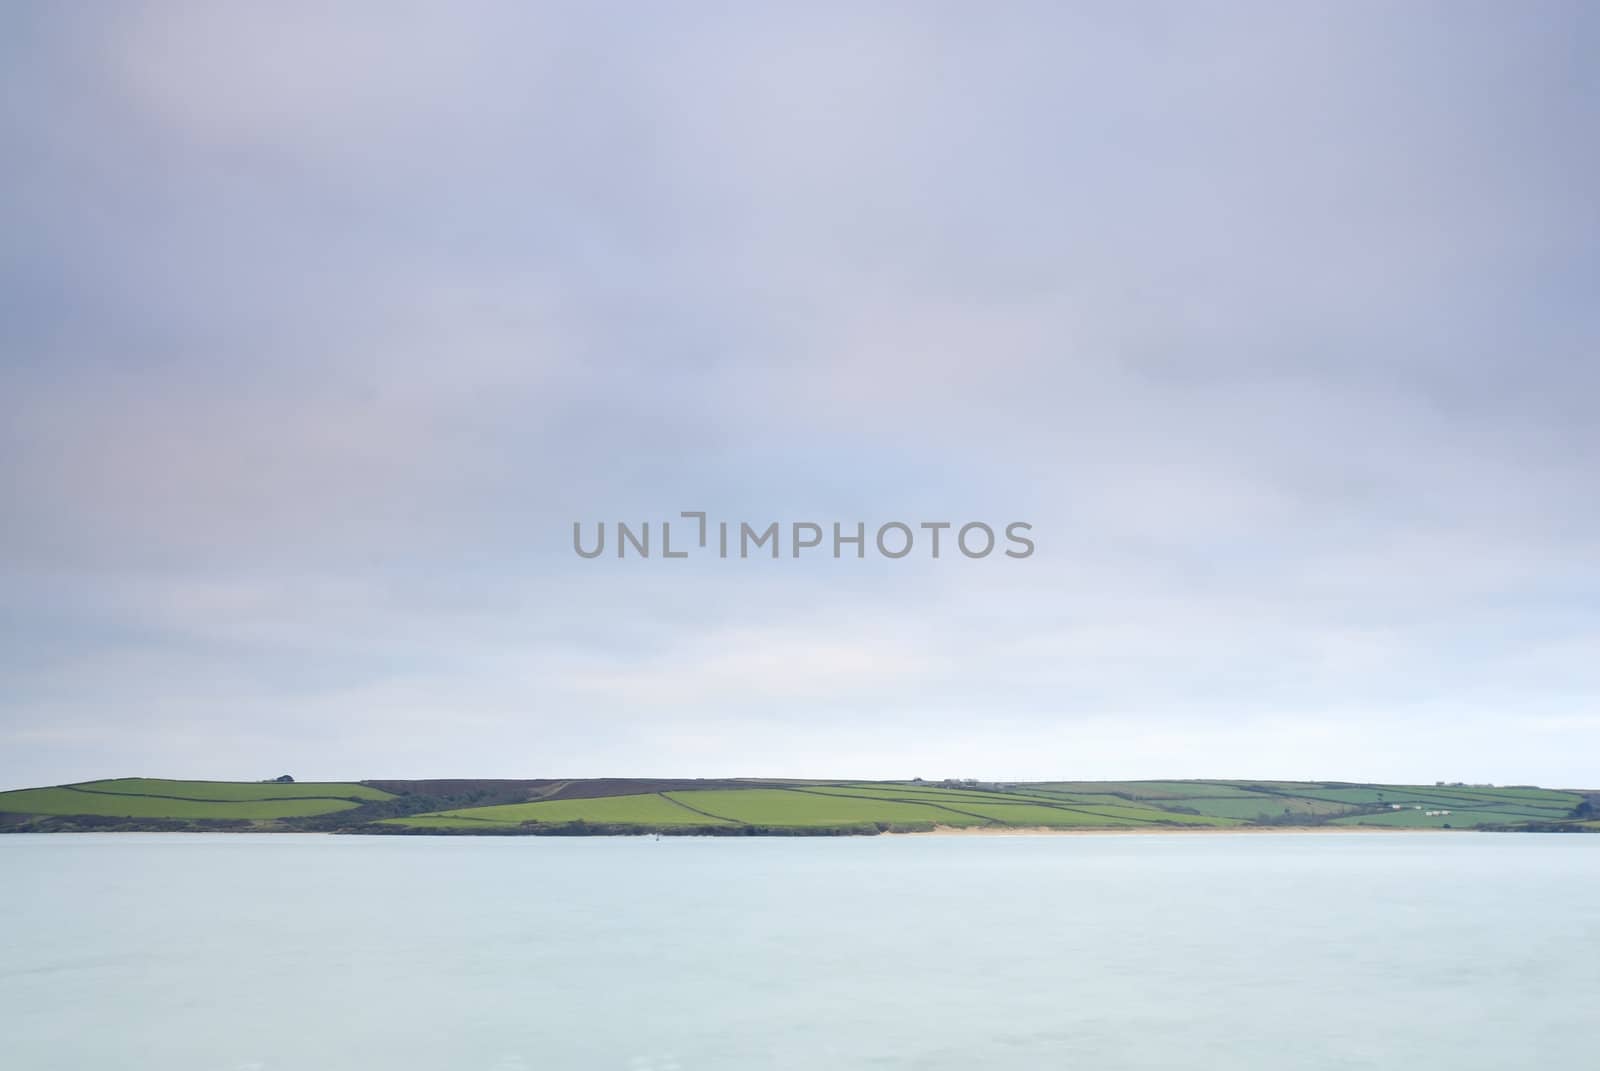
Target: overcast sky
[{"x": 1279, "y": 323}]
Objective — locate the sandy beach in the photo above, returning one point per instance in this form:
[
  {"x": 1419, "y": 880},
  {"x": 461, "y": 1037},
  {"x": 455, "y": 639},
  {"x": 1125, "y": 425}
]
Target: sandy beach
[{"x": 1146, "y": 831}]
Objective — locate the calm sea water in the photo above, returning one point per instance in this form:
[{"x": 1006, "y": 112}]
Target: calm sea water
[{"x": 258, "y": 953}]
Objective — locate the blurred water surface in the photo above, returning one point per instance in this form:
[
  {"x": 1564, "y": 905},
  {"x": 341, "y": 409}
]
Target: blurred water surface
[{"x": 150, "y": 952}]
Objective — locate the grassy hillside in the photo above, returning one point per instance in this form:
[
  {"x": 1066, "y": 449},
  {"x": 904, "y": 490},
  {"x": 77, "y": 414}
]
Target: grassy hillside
[
  {"x": 99, "y": 804},
  {"x": 723, "y": 807}
]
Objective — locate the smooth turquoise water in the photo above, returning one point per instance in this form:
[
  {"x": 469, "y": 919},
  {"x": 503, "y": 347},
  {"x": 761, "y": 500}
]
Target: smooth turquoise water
[{"x": 227, "y": 953}]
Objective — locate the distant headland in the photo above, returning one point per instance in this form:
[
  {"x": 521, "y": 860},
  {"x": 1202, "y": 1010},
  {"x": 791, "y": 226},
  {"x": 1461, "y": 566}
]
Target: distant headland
[{"x": 781, "y": 807}]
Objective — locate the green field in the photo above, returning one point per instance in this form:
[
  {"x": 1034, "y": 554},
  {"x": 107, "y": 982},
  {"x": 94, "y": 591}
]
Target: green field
[
  {"x": 813, "y": 805},
  {"x": 1143, "y": 790},
  {"x": 72, "y": 801},
  {"x": 777, "y": 806},
  {"x": 1261, "y": 805},
  {"x": 806, "y": 808},
  {"x": 235, "y": 790},
  {"x": 648, "y": 810},
  {"x": 1409, "y": 818},
  {"x": 190, "y": 801}
]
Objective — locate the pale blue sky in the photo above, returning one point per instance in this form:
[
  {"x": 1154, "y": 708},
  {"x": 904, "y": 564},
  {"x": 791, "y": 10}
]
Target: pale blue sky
[{"x": 318, "y": 328}]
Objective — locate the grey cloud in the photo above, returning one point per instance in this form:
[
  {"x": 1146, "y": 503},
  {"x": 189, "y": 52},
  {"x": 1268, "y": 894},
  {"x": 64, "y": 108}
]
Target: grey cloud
[{"x": 322, "y": 325}]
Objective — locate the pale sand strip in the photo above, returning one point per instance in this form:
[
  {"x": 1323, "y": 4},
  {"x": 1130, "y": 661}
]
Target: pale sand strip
[{"x": 1142, "y": 831}]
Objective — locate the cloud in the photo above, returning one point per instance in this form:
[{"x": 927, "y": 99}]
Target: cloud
[{"x": 322, "y": 326}]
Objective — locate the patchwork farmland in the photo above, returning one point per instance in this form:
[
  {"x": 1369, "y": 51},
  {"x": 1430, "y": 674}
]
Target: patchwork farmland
[{"x": 777, "y": 807}]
